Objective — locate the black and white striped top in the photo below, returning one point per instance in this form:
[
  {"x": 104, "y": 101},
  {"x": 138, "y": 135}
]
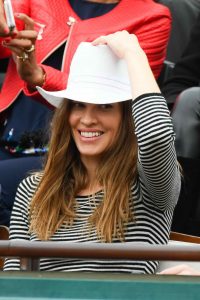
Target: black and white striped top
[{"x": 155, "y": 194}]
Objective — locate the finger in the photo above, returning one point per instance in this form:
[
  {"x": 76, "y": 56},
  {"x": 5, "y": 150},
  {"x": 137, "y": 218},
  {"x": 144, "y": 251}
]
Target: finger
[
  {"x": 27, "y": 34},
  {"x": 100, "y": 40},
  {"x": 16, "y": 50},
  {"x": 19, "y": 43},
  {"x": 29, "y": 23}
]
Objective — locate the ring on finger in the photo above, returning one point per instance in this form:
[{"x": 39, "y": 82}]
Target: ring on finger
[
  {"x": 31, "y": 49},
  {"x": 23, "y": 57}
]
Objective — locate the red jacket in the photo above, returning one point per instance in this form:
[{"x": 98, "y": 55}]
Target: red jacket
[{"x": 150, "y": 21}]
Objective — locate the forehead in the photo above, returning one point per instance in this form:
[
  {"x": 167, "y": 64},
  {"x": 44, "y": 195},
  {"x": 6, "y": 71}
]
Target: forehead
[{"x": 116, "y": 104}]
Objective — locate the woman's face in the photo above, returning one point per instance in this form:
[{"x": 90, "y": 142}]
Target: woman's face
[{"x": 94, "y": 127}]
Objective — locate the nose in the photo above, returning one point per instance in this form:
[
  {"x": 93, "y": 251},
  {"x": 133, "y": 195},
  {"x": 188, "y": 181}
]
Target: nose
[{"x": 89, "y": 116}]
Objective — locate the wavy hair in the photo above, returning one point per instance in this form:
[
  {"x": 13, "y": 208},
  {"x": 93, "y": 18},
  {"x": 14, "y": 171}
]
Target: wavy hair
[{"x": 64, "y": 175}]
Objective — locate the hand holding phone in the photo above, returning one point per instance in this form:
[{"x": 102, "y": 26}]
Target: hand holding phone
[{"x": 9, "y": 15}]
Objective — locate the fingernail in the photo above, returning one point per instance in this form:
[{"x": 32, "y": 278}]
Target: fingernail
[
  {"x": 6, "y": 30},
  {"x": 17, "y": 15}
]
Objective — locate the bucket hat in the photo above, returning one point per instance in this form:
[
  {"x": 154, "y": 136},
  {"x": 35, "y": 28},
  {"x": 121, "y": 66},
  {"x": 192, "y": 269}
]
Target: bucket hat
[{"x": 96, "y": 76}]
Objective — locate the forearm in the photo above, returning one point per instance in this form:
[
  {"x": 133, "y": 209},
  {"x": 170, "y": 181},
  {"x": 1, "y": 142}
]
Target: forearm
[
  {"x": 54, "y": 80},
  {"x": 141, "y": 77}
]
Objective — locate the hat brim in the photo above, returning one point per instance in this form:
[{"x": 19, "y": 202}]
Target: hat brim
[{"x": 86, "y": 94}]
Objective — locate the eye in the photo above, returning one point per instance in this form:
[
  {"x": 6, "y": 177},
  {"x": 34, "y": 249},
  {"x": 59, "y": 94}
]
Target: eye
[
  {"x": 78, "y": 105},
  {"x": 106, "y": 106}
]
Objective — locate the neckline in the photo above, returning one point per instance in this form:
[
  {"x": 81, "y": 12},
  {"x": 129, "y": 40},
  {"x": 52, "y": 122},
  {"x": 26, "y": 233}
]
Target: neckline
[
  {"x": 89, "y": 195},
  {"x": 94, "y": 2},
  {"x": 108, "y": 14}
]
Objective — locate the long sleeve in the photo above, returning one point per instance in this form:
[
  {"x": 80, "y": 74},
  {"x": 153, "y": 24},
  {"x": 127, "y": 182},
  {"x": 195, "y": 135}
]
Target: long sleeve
[
  {"x": 158, "y": 169},
  {"x": 55, "y": 81}
]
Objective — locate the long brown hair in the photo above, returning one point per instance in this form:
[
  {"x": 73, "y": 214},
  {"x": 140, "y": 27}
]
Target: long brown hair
[{"x": 64, "y": 175}]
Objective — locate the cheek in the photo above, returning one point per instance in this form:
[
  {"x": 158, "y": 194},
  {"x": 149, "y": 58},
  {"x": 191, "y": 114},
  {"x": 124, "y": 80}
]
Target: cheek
[
  {"x": 116, "y": 127},
  {"x": 72, "y": 120},
  {"x": 117, "y": 123}
]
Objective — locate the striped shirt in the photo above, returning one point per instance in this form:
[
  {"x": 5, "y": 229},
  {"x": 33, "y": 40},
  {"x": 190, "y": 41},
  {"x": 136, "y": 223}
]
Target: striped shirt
[{"x": 155, "y": 192}]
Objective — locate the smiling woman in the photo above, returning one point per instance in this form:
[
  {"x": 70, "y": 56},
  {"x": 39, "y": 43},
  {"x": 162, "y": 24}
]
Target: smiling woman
[
  {"x": 43, "y": 43},
  {"x": 111, "y": 174}
]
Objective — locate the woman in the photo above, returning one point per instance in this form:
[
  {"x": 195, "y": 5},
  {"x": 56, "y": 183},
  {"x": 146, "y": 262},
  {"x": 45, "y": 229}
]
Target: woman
[
  {"x": 48, "y": 33},
  {"x": 107, "y": 178}
]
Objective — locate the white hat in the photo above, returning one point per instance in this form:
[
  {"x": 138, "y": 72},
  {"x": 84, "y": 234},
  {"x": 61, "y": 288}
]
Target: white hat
[{"x": 96, "y": 76}]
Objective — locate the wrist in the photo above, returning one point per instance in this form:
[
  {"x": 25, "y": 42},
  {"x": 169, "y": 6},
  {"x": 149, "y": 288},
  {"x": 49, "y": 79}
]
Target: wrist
[
  {"x": 38, "y": 78},
  {"x": 135, "y": 54}
]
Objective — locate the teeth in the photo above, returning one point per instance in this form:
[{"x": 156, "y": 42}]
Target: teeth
[{"x": 90, "y": 134}]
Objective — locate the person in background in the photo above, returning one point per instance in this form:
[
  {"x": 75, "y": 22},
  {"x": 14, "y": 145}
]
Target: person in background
[
  {"x": 88, "y": 191},
  {"x": 182, "y": 88},
  {"x": 184, "y": 15},
  {"x": 47, "y": 35}
]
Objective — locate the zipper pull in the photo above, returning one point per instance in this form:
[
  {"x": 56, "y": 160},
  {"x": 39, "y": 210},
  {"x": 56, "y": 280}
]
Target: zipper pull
[
  {"x": 71, "y": 21},
  {"x": 41, "y": 28}
]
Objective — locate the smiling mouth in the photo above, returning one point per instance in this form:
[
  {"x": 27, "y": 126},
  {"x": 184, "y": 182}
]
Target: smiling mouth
[{"x": 90, "y": 134}]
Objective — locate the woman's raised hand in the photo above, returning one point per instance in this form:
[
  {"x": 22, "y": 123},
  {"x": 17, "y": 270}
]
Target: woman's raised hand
[
  {"x": 121, "y": 43},
  {"x": 126, "y": 46}
]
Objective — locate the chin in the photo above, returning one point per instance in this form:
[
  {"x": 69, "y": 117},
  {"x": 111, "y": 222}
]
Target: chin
[{"x": 86, "y": 154}]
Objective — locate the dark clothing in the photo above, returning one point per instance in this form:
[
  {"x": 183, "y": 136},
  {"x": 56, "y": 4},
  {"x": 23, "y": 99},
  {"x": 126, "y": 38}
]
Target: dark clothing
[
  {"x": 186, "y": 73},
  {"x": 184, "y": 15},
  {"x": 186, "y": 120},
  {"x": 184, "y": 86},
  {"x": 11, "y": 173},
  {"x": 187, "y": 211},
  {"x": 86, "y": 10}
]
